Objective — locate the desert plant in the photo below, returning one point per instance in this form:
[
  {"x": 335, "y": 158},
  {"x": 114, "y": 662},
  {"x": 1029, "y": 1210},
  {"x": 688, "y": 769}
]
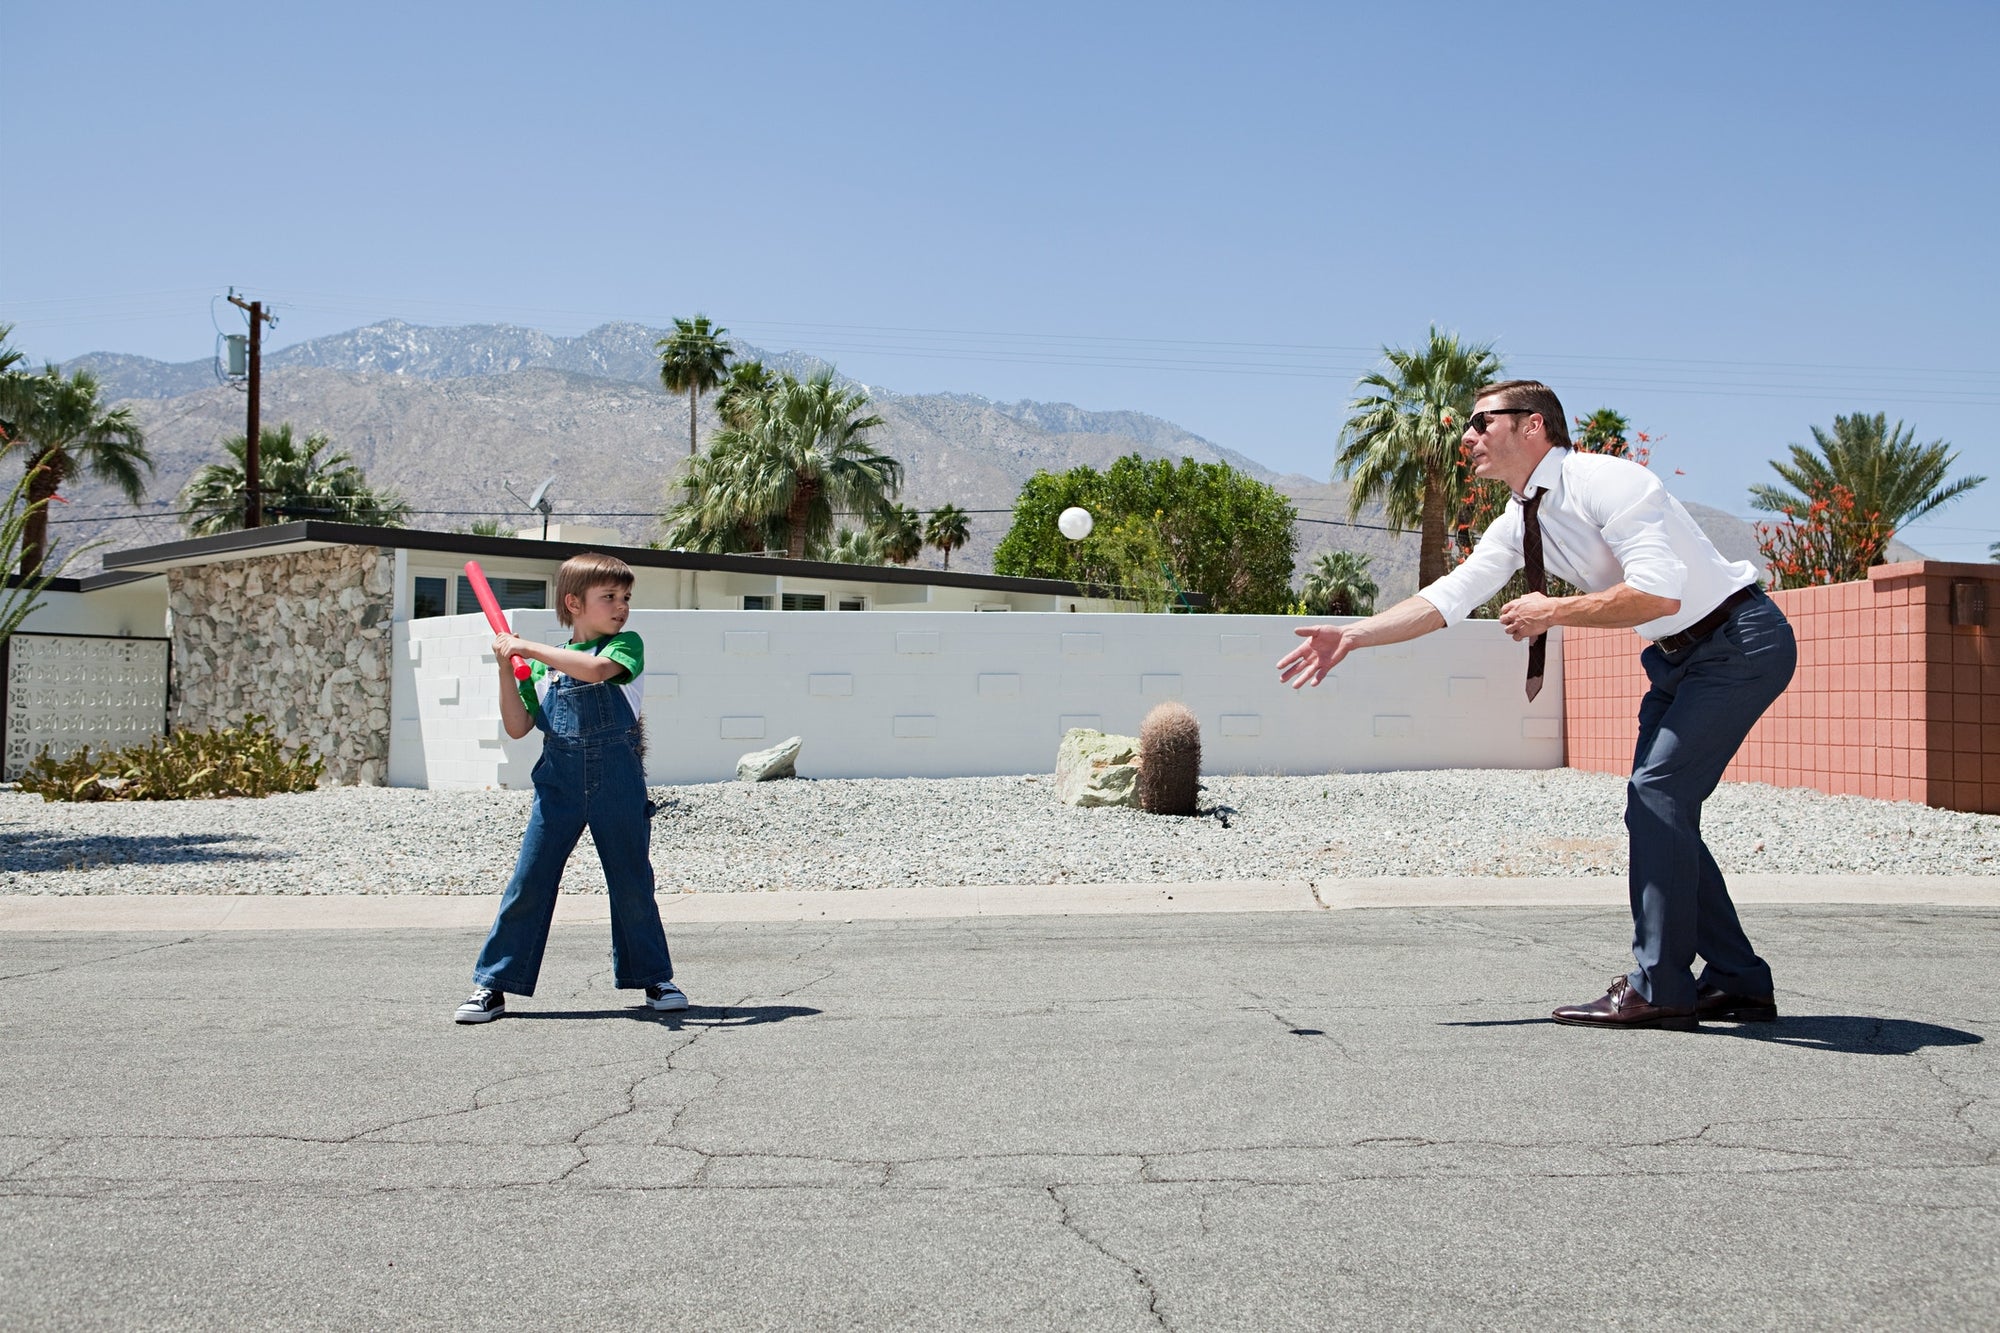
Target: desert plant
[
  {"x": 1169, "y": 760},
  {"x": 247, "y": 760}
]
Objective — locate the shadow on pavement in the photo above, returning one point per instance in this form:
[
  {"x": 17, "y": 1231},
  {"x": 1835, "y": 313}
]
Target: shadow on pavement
[
  {"x": 699, "y": 1015},
  {"x": 1850, "y": 1034},
  {"x": 35, "y": 852}
]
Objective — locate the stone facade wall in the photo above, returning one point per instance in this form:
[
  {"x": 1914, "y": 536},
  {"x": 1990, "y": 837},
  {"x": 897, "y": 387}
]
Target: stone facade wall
[{"x": 303, "y": 639}]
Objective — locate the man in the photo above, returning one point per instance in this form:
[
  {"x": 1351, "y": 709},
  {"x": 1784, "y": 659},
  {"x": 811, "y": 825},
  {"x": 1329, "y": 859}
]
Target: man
[{"x": 1721, "y": 652}]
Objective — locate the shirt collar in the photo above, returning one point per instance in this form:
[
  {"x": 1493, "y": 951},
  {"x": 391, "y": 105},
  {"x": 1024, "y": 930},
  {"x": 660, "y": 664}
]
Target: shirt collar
[{"x": 1546, "y": 474}]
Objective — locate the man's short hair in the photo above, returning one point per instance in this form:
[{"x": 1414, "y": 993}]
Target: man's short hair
[
  {"x": 1536, "y": 397},
  {"x": 580, "y": 573}
]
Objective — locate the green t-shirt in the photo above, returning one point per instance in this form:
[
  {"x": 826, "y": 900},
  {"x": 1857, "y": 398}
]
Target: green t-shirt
[{"x": 627, "y": 649}]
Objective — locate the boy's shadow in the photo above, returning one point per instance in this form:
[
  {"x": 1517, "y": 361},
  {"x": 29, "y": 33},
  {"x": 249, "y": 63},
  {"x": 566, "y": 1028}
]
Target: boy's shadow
[{"x": 695, "y": 1015}]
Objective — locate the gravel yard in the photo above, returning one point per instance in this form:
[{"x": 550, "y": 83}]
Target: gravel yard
[{"x": 860, "y": 833}]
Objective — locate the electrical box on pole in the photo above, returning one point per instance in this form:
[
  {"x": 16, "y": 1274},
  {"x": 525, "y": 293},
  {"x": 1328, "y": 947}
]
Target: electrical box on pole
[{"x": 238, "y": 345}]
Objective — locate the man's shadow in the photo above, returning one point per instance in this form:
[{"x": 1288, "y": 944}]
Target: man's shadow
[
  {"x": 1849, "y": 1034},
  {"x": 694, "y": 1016}
]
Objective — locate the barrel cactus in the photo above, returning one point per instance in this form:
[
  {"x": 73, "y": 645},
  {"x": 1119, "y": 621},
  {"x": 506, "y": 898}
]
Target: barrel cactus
[{"x": 1169, "y": 760}]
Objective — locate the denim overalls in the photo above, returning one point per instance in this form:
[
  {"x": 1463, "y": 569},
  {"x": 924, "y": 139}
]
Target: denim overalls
[{"x": 590, "y": 774}]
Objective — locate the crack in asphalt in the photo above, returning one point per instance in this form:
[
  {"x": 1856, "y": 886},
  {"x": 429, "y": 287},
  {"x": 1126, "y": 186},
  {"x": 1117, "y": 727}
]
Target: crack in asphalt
[
  {"x": 1066, "y": 1219},
  {"x": 107, "y": 958}
]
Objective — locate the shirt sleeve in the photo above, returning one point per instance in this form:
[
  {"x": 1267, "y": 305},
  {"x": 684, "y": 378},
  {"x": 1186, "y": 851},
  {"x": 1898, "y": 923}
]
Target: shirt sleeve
[
  {"x": 1493, "y": 561},
  {"x": 1634, "y": 523},
  {"x": 530, "y": 695},
  {"x": 628, "y": 650}
]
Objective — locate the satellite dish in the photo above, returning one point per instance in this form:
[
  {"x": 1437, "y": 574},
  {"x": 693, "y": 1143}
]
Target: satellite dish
[{"x": 539, "y": 501}]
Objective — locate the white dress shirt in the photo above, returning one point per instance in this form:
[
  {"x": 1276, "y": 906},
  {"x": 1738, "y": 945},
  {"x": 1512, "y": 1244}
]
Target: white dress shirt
[{"x": 1604, "y": 521}]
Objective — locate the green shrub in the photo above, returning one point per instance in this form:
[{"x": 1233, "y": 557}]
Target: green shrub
[{"x": 236, "y": 761}]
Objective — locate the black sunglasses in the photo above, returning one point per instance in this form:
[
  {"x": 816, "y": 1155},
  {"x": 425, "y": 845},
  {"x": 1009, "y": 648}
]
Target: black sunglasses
[{"x": 1478, "y": 422}]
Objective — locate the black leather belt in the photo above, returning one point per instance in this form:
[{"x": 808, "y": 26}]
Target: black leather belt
[{"x": 1707, "y": 625}]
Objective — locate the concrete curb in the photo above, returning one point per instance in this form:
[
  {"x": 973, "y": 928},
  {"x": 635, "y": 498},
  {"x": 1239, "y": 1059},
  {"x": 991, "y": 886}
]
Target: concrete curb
[{"x": 203, "y": 912}]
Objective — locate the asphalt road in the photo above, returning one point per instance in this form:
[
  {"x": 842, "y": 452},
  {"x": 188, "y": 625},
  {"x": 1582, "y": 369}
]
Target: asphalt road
[{"x": 1259, "y": 1122}]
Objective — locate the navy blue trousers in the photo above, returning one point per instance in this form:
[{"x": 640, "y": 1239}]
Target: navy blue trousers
[{"x": 1702, "y": 703}]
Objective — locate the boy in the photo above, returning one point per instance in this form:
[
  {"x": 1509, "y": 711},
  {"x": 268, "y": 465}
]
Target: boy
[{"x": 584, "y": 697}]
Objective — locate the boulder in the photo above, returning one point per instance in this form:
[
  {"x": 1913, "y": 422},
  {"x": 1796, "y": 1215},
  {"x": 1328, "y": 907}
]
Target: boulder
[
  {"x": 1093, "y": 768},
  {"x": 763, "y": 765}
]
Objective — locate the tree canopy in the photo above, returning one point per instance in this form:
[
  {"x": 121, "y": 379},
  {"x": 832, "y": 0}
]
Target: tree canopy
[
  {"x": 693, "y": 360},
  {"x": 58, "y": 422},
  {"x": 1401, "y": 443},
  {"x": 1217, "y": 531},
  {"x": 778, "y": 482},
  {"x": 1891, "y": 479},
  {"x": 298, "y": 480}
]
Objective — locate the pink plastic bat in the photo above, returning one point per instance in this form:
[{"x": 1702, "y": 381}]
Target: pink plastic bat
[{"x": 491, "y": 606}]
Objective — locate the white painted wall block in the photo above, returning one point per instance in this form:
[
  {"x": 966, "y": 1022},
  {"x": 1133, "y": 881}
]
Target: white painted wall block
[
  {"x": 937, "y": 678},
  {"x": 1083, "y": 645}
]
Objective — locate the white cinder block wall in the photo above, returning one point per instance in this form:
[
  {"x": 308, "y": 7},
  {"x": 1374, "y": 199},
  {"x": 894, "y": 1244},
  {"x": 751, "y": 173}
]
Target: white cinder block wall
[{"x": 963, "y": 694}]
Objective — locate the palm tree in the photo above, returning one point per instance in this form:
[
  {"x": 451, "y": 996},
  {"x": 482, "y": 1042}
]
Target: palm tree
[
  {"x": 298, "y": 481},
  {"x": 719, "y": 511},
  {"x": 1338, "y": 585},
  {"x": 1890, "y": 475},
  {"x": 692, "y": 361},
  {"x": 64, "y": 429},
  {"x": 1401, "y": 445},
  {"x": 948, "y": 530},
  {"x": 745, "y": 387},
  {"x": 1603, "y": 432},
  {"x": 851, "y": 547},
  {"x": 780, "y": 480},
  {"x": 901, "y": 535}
]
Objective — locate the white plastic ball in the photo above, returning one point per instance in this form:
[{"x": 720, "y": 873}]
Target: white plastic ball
[{"x": 1075, "y": 523}]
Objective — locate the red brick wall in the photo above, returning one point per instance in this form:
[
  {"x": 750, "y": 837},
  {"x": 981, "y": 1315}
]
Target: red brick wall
[{"x": 1891, "y": 700}]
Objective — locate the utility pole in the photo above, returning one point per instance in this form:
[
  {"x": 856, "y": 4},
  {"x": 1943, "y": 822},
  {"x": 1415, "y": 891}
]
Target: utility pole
[{"x": 253, "y": 480}]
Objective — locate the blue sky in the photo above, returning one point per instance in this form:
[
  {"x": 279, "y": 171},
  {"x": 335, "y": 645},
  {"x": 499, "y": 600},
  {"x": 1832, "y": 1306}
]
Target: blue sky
[{"x": 1729, "y": 221}]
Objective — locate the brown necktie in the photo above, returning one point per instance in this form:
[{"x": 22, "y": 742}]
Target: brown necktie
[{"x": 1538, "y": 581}]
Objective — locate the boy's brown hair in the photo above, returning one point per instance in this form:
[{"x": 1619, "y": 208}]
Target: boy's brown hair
[
  {"x": 580, "y": 573},
  {"x": 1536, "y": 397}
]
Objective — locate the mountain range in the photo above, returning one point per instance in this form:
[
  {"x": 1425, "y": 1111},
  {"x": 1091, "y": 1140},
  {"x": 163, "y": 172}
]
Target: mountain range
[{"x": 462, "y": 422}]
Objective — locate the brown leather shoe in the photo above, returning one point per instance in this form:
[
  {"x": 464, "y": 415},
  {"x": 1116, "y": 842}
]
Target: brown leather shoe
[
  {"x": 1622, "y": 1007},
  {"x": 1719, "y": 1006}
]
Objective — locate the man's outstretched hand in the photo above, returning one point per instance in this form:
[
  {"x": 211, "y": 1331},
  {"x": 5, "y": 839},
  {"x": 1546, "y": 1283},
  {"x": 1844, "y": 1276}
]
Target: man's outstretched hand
[{"x": 1321, "y": 652}]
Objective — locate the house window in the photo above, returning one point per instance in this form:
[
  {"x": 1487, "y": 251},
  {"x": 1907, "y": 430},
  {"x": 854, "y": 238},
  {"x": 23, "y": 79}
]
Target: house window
[
  {"x": 756, "y": 601},
  {"x": 512, "y": 594},
  {"x": 429, "y": 599},
  {"x": 992, "y": 606},
  {"x": 852, "y": 604},
  {"x": 804, "y": 601}
]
